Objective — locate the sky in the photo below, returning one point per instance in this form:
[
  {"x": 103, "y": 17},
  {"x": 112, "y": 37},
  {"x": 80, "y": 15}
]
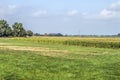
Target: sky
[{"x": 74, "y": 17}]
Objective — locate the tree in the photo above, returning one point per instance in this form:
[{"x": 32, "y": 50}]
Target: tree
[
  {"x": 37, "y": 34},
  {"x": 118, "y": 34},
  {"x": 29, "y": 33},
  {"x": 18, "y": 30},
  {"x": 8, "y": 31},
  {"x": 5, "y": 29},
  {"x": 55, "y": 34}
]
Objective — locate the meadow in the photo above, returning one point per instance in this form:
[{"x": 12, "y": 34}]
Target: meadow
[{"x": 59, "y": 58}]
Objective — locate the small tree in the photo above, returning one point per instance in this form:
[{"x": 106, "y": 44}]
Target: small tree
[
  {"x": 5, "y": 29},
  {"x": 118, "y": 34},
  {"x": 29, "y": 33},
  {"x": 18, "y": 30}
]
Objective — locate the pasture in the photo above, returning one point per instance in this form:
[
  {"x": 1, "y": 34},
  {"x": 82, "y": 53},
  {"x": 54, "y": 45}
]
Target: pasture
[{"x": 59, "y": 58}]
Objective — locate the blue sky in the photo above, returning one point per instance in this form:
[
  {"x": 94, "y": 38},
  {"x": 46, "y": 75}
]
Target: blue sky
[{"x": 85, "y": 17}]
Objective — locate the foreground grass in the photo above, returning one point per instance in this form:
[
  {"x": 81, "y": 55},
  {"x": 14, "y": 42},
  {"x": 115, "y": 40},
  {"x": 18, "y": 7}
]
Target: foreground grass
[
  {"x": 25, "y": 65},
  {"x": 79, "y": 63}
]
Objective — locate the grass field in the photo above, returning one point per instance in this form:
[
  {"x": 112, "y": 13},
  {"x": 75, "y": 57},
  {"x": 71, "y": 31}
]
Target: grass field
[{"x": 47, "y": 58}]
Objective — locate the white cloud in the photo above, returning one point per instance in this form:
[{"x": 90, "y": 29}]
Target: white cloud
[
  {"x": 84, "y": 13},
  {"x": 113, "y": 11},
  {"x": 115, "y": 6},
  {"x": 8, "y": 10},
  {"x": 40, "y": 13},
  {"x": 106, "y": 13},
  {"x": 11, "y": 7},
  {"x": 72, "y": 12}
]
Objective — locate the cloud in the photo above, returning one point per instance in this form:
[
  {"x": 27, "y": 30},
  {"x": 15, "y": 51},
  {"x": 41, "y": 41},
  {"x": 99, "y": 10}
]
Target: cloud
[
  {"x": 40, "y": 13},
  {"x": 113, "y": 11},
  {"x": 106, "y": 13},
  {"x": 12, "y": 7},
  {"x": 72, "y": 12},
  {"x": 115, "y": 6},
  {"x": 8, "y": 10}
]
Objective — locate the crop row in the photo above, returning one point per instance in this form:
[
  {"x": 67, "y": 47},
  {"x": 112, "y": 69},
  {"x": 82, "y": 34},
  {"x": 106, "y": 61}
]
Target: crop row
[{"x": 76, "y": 41}]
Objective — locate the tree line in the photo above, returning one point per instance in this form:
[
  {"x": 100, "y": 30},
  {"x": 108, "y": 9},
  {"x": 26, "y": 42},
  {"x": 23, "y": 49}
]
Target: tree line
[{"x": 16, "y": 30}]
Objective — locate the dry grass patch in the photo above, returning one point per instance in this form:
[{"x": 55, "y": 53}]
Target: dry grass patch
[
  {"x": 38, "y": 50},
  {"x": 4, "y": 44}
]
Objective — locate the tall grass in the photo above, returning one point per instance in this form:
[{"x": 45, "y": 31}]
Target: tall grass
[{"x": 76, "y": 41}]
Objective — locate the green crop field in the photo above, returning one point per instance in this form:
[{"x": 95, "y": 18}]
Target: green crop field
[{"x": 59, "y": 58}]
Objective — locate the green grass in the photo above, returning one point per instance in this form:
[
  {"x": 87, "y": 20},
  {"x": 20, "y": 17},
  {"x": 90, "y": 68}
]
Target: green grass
[{"x": 80, "y": 63}]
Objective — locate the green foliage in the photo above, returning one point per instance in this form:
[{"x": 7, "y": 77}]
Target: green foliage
[
  {"x": 5, "y": 29},
  {"x": 18, "y": 30},
  {"x": 29, "y": 33}
]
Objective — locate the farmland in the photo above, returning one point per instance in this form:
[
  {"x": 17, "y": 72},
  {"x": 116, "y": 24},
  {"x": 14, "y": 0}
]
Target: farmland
[
  {"x": 76, "y": 41},
  {"x": 59, "y": 58}
]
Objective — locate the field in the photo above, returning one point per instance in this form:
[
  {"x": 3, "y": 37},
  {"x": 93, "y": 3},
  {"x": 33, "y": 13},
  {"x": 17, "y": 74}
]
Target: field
[{"x": 59, "y": 58}]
